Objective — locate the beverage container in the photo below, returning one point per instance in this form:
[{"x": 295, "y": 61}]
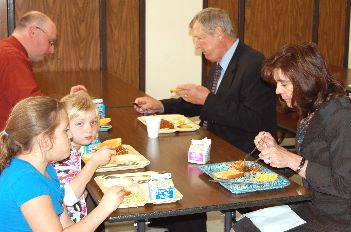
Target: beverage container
[
  {"x": 100, "y": 106},
  {"x": 153, "y": 126}
]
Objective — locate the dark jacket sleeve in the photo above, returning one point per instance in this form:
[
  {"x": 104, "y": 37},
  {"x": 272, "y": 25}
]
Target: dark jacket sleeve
[
  {"x": 328, "y": 154},
  {"x": 247, "y": 98},
  {"x": 179, "y": 106}
]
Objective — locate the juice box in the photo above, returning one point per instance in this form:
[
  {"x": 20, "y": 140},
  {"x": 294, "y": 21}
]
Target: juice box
[
  {"x": 161, "y": 187},
  {"x": 199, "y": 151}
]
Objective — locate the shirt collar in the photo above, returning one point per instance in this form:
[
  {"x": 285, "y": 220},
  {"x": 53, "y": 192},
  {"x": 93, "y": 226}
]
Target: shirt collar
[
  {"x": 224, "y": 62},
  {"x": 13, "y": 40}
]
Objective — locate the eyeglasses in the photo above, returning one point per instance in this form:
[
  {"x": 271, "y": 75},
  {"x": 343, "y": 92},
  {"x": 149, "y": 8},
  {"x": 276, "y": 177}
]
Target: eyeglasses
[{"x": 51, "y": 43}]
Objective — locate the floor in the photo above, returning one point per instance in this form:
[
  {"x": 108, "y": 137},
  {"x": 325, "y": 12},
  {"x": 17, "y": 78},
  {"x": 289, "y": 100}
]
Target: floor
[{"x": 215, "y": 222}]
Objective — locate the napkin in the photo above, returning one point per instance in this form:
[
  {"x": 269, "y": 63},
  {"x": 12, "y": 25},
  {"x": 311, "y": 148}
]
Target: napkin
[{"x": 275, "y": 219}]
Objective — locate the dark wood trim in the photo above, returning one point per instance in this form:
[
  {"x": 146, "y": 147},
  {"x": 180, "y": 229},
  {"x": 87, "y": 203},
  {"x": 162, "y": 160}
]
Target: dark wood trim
[
  {"x": 204, "y": 61},
  {"x": 204, "y": 4},
  {"x": 315, "y": 22},
  {"x": 347, "y": 34},
  {"x": 11, "y": 20},
  {"x": 142, "y": 28},
  {"x": 241, "y": 20},
  {"x": 103, "y": 39}
]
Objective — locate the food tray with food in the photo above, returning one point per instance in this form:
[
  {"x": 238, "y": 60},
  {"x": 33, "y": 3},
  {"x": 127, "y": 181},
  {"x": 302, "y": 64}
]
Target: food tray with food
[
  {"x": 126, "y": 158},
  {"x": 105, "y": 124},
  {"x": 237, "y": 178},
  {"x": 136, "y": 186},
  {"x": 171, "y": 123}
]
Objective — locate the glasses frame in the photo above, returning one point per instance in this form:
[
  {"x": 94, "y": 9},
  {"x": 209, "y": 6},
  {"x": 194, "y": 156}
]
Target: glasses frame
[{"x": 51, "y": 43}]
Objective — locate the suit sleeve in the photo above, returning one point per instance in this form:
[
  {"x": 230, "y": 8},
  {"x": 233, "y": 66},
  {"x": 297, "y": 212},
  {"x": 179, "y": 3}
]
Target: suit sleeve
[
  {"x": 179, "y": 106},
  {"x": 248, "y": 100}
]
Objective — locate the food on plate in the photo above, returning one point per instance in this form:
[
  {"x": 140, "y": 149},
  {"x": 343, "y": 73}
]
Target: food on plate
[
  {"x": 264, "y": 177},
  {"x": 134, "y": 197},
  {"x": 104, "y": 121},
  {"x": 240, "y": 166},
  {"x": 115, "y": 144},
  {"x": 142, "y": 179},
  {"x": 228, "y": 174},
  {"x": 111, "y": 143},
  {"x": 121, "y": 150},
  {"x": 165, "y": 124},
  {"x": 184, "y": 126},
  {"x": 127, "y": 192},
  {"x": 254, "y": 168}
]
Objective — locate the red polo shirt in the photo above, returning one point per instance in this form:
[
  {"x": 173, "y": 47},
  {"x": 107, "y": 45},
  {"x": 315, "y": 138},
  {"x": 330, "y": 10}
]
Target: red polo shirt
[{"x": 16, "y": 77}]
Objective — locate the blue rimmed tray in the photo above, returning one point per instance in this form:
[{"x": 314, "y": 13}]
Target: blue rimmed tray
[
  {"x": 246, "y": 183},
  {"x": 105, "y": 128}
]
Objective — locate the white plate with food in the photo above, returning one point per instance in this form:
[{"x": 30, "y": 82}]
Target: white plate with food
[
  {"x": 171, "y": 123},
  {"x": 126, "y": 158},
  {"x": 136, "y": 185}
]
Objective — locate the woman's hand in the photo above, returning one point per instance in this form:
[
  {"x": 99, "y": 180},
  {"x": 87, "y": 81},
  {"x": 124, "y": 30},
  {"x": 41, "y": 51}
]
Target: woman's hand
[
  {"x": 276, "y": 156},
  {"x": 264, "y": 140}
]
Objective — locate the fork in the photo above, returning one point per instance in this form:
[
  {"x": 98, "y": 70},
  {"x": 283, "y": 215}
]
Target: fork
[
  {"x": 250, "y": 154},
  {"x": 247, "y": 156}
]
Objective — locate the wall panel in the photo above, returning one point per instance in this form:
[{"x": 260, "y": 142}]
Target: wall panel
[
  {"x": 78, "y": 33},
  {"x": 3, "y": 19},
  {"x": 231, "y": 6},
  {"x": 332, "y": 27},
  {"x": 122, "y": 28},
  {"x": 270, "y": 24}
]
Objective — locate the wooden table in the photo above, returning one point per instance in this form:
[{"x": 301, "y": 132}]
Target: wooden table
[
  {"x": 114, "y": 92},
  {"x": 169, "y": 153}
]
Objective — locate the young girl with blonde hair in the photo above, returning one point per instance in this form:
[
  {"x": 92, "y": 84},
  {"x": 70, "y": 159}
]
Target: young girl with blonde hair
[
  {"x": 37, "y": 132},
  {"x": 84, "y": 127}
]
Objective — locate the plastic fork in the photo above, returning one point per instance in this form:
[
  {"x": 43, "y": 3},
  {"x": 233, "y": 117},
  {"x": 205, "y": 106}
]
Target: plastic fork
[{"x": 247, "y": 156}]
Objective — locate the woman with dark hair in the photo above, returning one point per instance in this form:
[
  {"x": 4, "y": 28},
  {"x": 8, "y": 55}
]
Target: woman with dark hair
[{"x": 322, "y": 148}]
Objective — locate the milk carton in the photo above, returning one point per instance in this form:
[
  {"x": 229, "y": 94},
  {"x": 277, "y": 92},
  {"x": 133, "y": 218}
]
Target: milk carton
[
  {"x": 161, "y": 187},
  {"x": 100, "y": 106},
  {"x": 199, "y": 151}
]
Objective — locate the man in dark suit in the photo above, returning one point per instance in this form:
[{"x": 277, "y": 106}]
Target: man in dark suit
[{"x": 236, "y": 106}]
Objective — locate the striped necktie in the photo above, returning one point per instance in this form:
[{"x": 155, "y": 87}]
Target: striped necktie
[
  {"x": 214, "y": 85},
  {"x": 216, "y": 78}
]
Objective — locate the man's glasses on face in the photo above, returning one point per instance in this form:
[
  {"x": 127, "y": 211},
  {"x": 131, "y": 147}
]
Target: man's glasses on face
[{"x": 51, "y": 43}]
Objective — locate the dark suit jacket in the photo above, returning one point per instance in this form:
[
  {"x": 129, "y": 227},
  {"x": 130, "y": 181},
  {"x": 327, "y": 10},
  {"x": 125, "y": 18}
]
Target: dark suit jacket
[{"x": 243, "y": 105}]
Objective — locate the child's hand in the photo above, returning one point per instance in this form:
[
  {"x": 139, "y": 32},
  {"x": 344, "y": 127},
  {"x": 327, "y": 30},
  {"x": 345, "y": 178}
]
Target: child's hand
[
  {"x": 102, "y": 156},
  {"x": 112, "y": 198}
]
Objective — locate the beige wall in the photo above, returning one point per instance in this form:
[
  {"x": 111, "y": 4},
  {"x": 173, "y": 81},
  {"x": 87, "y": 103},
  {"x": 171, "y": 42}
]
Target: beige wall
[{"x": 170, "y": 55}]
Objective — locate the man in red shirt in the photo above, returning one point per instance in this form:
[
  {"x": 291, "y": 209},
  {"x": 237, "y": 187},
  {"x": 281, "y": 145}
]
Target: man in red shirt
[{"x": 33, "y": 39}]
